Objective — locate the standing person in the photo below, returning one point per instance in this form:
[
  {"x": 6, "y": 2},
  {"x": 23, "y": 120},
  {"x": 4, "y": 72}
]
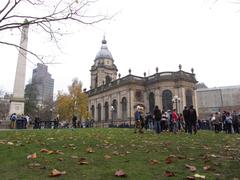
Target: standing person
[
  {"x": 192, "y": 120},
  {"x": 137, "y": 116},
  {"x": 186, "y": 118},
  {"x": 175, "y": 121},
  {"x": 74, "y": 121},
  {"x": 164, "y": 121},
  {"x": 13, "y": 119},
  {"x": 216, "y": 122},
  {"x": 157, "y": 117},
  {"x": 169, "y": 120},
  {"x": 149, "y": 120},
  {"x": 235, "y": 119},
  {"x": 228, "y": 121}
]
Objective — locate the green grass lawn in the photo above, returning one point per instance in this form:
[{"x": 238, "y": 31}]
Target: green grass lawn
[{"x": 104, "y": 151}]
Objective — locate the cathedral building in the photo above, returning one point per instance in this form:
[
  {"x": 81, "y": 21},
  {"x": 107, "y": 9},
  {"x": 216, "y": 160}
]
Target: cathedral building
[{"x": 113, "y": 99}]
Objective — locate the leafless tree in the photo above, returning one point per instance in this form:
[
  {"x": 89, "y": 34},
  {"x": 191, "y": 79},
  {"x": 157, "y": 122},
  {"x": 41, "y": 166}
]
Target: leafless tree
[{"x": 43, "y": 15}]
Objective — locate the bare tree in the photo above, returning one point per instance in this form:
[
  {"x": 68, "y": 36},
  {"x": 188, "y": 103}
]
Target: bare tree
[{"x": 44, "y": 15}]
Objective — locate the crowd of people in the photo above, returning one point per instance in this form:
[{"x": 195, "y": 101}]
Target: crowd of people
[
  {"x": 228, "y": 122},
  {"x": 186, "y": 121}
]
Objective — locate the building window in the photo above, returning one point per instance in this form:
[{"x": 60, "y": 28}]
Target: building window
[
  {"x": 139, "y": 96},
  {"x": 167, "y": 100},
  {"x": 99, "y": 108},
  {"x": 189, "y": 100},
  {"x": 151, "y": 102},
  {"x": 106, "y": 107},
  {"x": 124, "y": 109},
  {"x": 108, "y": 79}
]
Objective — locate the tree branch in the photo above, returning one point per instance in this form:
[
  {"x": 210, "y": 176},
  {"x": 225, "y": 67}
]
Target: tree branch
[{"x": 19, "y": 47}]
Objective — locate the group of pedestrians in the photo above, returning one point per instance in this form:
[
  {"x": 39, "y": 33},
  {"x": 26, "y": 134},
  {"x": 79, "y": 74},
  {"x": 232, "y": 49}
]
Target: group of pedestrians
[
  {"x": 19, "y": 121},
  {"x": 228, "y": 122},
  {"x": 166, "y": 121}
]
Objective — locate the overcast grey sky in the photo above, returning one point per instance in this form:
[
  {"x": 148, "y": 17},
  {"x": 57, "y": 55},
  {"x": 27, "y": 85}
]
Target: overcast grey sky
[{"x": 143, "y": 35}]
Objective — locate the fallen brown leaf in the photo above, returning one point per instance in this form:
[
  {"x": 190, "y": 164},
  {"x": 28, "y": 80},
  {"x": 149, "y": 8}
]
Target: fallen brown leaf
[
  {"x": 181, "y": 157},
  {"x": 83, "y": 161},
  {"x": 153, "y": 161},
  {"x": 206, "y": 168},
  {"x": 169, "y": 174},
  {"x": 168, "y": 160},
  {"x": 115, "y": 153},
  {"x": 199, "y": 176},
  {"x": 60, "y": 159},
  {"x": 74, "y": 157},
  {"x": 190, "y": 178},
  {"x": 44, "y": 150},
  {"x": 191, "y": 168},
  {"x": 120, "y": 173},
  {"x": 56, "y": 172},
  {"x": 32, "y": 156},
  {"x": 107, "y": 157},
  {"x": 90, "y": 150}
]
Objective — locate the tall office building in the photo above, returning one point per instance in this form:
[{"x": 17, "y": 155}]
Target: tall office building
[{"x": 44, "y": 84}]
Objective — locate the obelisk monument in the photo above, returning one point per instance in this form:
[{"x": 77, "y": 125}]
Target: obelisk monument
[{"x": 17, "y": 101}]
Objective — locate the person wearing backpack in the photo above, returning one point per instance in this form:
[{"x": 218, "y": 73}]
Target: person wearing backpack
[{"x": 13, "y": 119}]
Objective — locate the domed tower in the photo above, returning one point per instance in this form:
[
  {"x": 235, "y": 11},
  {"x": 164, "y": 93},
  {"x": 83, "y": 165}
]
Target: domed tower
[{"x": 104, "y": 70}]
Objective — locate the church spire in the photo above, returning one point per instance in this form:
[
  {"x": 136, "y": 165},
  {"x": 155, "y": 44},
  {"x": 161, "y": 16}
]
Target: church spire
[{"x": 104, "y": 40}]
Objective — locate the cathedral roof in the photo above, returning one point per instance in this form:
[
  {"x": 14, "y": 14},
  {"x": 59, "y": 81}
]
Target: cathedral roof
[{"x": 104, "y": 53}]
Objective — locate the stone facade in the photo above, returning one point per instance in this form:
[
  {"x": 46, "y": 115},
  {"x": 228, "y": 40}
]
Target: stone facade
[
  {"x": 115, "y": 101},
  {"x": 218, "y": 99}
]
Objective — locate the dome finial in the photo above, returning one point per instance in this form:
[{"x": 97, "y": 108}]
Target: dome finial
[{"x": 104, "y": 40}]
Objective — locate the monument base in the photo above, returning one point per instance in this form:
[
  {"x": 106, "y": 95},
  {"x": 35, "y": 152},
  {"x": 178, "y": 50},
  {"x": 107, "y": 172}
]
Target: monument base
[{"x": 17, "y": 106}]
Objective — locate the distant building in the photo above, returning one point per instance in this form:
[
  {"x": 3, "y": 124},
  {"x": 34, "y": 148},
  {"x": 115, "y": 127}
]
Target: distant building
[
  {"x": 219, "y": 99},
  {"x": 201, "y": 86},
  {"x": 4, "y": 106},
  {"x": 44, "y": 83},
  {"x": 113, "y": 99}
]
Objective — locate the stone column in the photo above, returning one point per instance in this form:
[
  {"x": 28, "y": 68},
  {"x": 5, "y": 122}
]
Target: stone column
[
  {"x": 119, "y": 104},
  {"x": 146, "y": 101},
  {"x": 17, "y": 101},
  {"x": 195, "y": 100},
  {"x": 131, "y": 107}
]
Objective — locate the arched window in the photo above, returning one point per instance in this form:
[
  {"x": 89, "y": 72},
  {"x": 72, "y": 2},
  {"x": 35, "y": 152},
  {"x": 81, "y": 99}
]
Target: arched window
[
  {"x": 124, "y": 109},
  {"x": 99, "y": 108},
  {"x": 92, "y": 111},
  {"x": 96, "y": 81},
  {"x": 189, "y": 100},
  {"x": 114, "y": 110},
  {"x": 151, "y": 102},
  {"x": 108, "y": 79},
  {"x": 106, "y": 107},
  {"x": 167, "y": 100}
]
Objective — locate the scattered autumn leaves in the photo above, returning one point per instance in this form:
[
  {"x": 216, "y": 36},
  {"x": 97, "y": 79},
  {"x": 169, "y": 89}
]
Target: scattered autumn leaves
[{"x": 96, "y": 148}]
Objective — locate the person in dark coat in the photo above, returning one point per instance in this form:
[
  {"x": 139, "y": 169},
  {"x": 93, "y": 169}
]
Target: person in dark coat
[
  {"x": 74, "y": 121},
  {"x": 192, "y": 120},
  {"x": 186, "y": 118},
  {"x": 235, "y": 120},
  {"x": 157, "y": 118}
]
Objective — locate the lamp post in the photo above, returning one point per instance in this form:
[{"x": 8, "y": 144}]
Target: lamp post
[{"x": 176, "y": 100}]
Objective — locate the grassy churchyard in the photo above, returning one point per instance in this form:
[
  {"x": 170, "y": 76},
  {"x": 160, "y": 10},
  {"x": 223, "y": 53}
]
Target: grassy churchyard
[{"x": 114, "y": 153}]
